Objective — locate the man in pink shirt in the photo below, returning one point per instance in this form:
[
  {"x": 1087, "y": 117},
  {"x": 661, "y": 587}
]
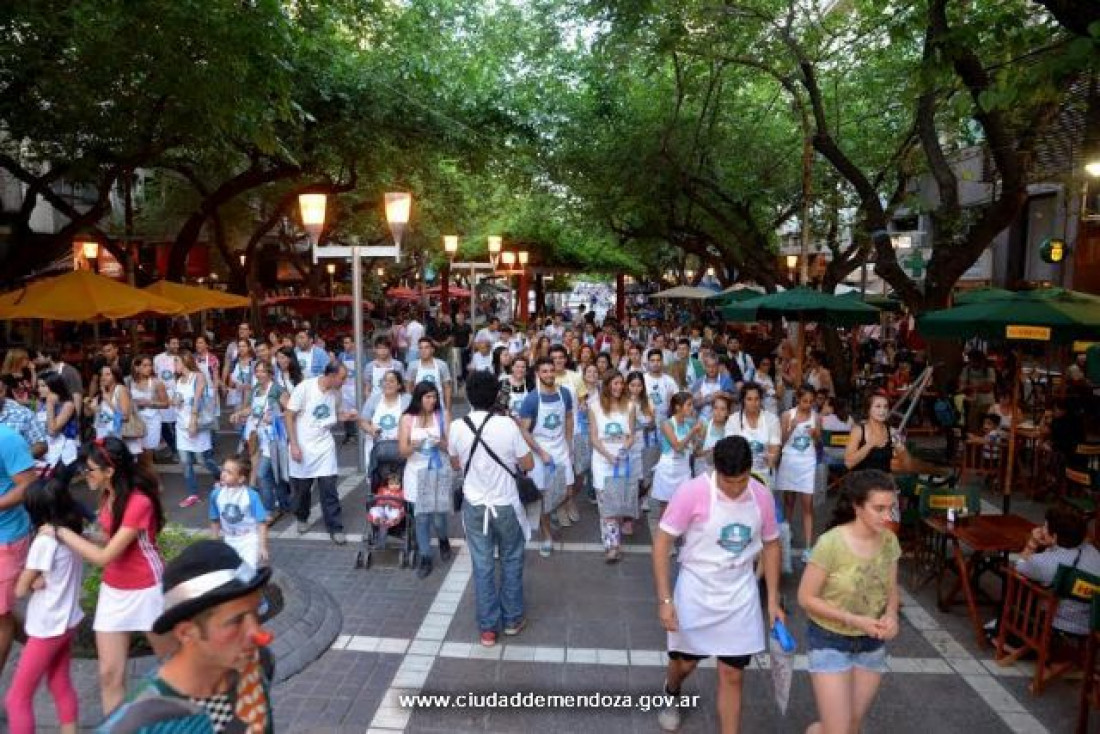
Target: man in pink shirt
[{"x": 726, "y": 519}]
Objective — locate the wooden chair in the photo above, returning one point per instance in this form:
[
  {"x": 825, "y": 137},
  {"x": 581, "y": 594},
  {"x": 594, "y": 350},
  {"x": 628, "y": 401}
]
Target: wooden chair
[
  {"x": 1028, "y": 617},
  {"x": 980, "y": 461},
  {"x": 1081, "y": 482},
  {"x": 1090, "y": 684},
  {"x": 930, "y": 546}
]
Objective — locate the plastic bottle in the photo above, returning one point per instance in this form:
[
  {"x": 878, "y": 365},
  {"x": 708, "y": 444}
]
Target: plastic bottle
[{"x": 782, "y": 635}]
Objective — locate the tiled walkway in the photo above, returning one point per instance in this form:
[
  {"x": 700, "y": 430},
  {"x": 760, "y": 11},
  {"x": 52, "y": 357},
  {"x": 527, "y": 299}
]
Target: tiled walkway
[{"x": 593, "y": 628}]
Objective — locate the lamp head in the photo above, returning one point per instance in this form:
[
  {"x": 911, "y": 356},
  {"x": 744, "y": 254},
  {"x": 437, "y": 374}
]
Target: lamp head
[
  {"x": 792, "y": 261},
  {"x": 1092, "y": 168},
  {"x": 450, "y": 244},
  {"x": 496, "y": 242}
]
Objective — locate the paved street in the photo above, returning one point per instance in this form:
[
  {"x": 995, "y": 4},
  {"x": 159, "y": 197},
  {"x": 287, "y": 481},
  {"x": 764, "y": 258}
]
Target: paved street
[{"x": 592, "y": 629}]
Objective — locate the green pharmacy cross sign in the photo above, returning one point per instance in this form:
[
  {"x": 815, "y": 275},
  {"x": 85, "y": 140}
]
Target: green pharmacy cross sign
[{"x": 915, "y": 263}]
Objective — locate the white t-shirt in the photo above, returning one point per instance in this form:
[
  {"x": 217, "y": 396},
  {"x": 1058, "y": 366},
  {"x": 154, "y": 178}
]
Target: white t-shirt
[
  {"x": 660, "y": 389},
  {"x": 487, "y": 483},
  {"x": 54, "y": 610},
  {"x": 414, "y": 331},
  {"x": 315, "y": 414}
]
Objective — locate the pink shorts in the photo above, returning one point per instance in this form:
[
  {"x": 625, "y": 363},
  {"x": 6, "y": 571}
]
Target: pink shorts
[{"x": 13, "y": 556}]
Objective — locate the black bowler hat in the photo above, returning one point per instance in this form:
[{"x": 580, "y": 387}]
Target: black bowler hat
[{"x": 204, "y": 575}]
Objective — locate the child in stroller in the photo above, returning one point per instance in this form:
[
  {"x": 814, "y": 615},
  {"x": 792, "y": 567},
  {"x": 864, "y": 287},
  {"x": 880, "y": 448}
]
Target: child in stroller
[{"x": 387, "y": 514}]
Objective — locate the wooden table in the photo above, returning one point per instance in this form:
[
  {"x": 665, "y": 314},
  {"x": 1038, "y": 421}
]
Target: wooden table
[{"x": 990, "y": 539}]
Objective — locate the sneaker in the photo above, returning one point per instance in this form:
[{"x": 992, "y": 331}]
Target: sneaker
[
  {"x": 668, "y": 718},
  {"x": 546, "y": 548},
  {"x": 338, "y": 538},
  {"x": 612, "y": 555},
  {"x": 424, "y": 569},
  {"x": 445, "y": 552},
  {"x": 190, "y": 501},
  {"x": 515, "y": 628},
  {"x": 628, "y": 528},
  {"x": 645, "y": 504},
  {"x": 488, "y": 638},
  {"x": 303, "y": 527}
]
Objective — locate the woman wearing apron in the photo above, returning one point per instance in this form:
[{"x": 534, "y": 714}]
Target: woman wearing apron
[
  {"x": 207, "y": 361},
  {"x": 720, "y": 405},
  {"x": 760, "y": 428},
  {"x": 514, "y": 387},
  {"x": 265, "y": 407},
  {"x": 150, "y": 397},
  {"x": 801, "y": 427},
  {"x": 422, "y": 436},
  {"x": 645, "y": 438},
  {"x": 380, "y": 418},
  {"x": 57, "y": 415},
  {"x": 194, "y": 441},
  {"x": 678, "y": 434},
  {"x": 111, "y": 408},
  {"x": 347, "y": 391},
  {"x": 725, "y": 520},
  {"x": 582, "y": 440},
  {"x": 611, "y": 431},
  {"x": 240, "y": 377}
]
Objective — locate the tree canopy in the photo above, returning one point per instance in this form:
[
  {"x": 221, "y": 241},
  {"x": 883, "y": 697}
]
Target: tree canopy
[{"x": 604, "y": 135}]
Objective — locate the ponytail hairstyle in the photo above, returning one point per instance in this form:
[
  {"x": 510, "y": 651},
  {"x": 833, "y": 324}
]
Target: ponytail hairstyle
[
  {"x": 855, "y": 490},
  {"x": 128, "y": 477},
  {"x": 49, "y": 502}
]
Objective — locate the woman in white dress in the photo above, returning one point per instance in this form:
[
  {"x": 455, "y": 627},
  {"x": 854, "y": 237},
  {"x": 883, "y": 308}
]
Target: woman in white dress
[
  {"x": 241, "y": 376},
  {"x": 760, "y": 428},
  {"x": 678, "y": 435},
  {"x": 150, "y": 397},
  {"x": 195, "y": 424},
  {"x": 801, "y": 430},
  {"x": 772, "y": 388},
  {"x": 57, "y": 416},
  {"x": 111, "y": 407},
  {"x": 422, "y": 440},
  {"x": 611, "y": 432},
  {"x": 721, "y": 405}
]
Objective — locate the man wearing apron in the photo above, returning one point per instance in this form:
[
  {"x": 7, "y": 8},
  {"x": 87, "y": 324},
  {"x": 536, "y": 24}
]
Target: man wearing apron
[
  {"x": 726, "y": 519},
  {"x": 547, "y": 422},
  {"x": 376, "y": 369},
  {"x": 429, "y": 369},
  {"x": 347, "y": 391}
]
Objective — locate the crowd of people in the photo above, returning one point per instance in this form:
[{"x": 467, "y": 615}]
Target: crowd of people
[{"x": 718, "y": 434}]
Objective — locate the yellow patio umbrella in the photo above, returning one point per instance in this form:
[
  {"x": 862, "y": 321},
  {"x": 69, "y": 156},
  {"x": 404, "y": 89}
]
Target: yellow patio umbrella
[
  {"x": 194, "y": 299},
  {"x": 82, "y": 296}
]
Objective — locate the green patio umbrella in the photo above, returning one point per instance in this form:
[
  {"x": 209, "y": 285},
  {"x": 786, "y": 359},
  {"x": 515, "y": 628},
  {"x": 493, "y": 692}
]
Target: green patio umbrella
[
  {"x": 981, "y": 295},
  {"x": 1045, "y": 315},
  {"x": 802, "y": 305},
  {"x": 727, "y": 297},
  {"x": 879, "y": 301}
]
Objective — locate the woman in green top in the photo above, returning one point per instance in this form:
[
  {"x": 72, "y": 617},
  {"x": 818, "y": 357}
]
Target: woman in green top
[{"x": 850, "y": 593}]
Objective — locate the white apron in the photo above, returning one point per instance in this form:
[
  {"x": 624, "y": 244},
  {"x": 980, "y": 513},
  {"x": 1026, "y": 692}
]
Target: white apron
[
  {"x": 758, "y": 439},
  {"x": 151, "y": 416},
  {"x": 428, "y": 374},
  {"x": 377, "y": 374},
  {"x": 798, "y": 466},
  {"x": 242, "y": 375},
  {"x": 549, "y": 433},
  {"x": 347, "y": 390},
  {"x": 706, "y": 389},
  {"x": 674, "y": 467},
  {"x": 611, "y": 428},
  {"x": 58, "y": 448},
  {"x": 705, "y": 464},
  {"x": 164, "y": 365},
  {"x": 716, "y": 596}
]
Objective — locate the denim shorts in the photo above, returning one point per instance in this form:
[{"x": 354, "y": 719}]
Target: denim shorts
[{"x": 830, "y": 652}]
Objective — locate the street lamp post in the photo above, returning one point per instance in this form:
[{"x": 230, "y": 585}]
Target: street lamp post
[{"x": 398, "y": 209}]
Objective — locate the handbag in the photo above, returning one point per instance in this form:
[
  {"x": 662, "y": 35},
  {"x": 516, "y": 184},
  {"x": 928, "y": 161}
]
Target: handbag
[
  {"x": 525, "y": 486},
  {"x": 433, "y": 486},
  {"x": 651, "y": 452},
  {"x": 207, "y": 420},
  {"x": 582, "y": 453},
  {"x": 619, "y": 496},
  {"x": 131, "y": 426}
]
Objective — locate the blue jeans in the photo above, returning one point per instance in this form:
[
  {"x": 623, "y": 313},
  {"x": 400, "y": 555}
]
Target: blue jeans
[
  {"x": 275, "y": 495},
  {"x": 505, "y": 535},
  {"x": 188, "y": 459},
  {"x": 424, "y": 522}
]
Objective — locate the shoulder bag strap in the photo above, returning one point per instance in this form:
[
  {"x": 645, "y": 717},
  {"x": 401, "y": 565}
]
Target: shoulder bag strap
[
  {"x": 492, "y": 454},
  {"x": 477, "y": 439}
]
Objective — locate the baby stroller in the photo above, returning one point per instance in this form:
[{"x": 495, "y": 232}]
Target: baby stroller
[{"x": 388, "y": 514}]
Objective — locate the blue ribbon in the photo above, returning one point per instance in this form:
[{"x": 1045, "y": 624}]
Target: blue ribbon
[
  {"x": 116, "y": 422},
  {"x": 626, "y": 472},
  {"x": 435, "y": 462},
  {"x": 278, "y": 425}
]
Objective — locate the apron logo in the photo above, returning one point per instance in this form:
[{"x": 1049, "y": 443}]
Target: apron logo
[
  {"x": 735, "y": 538},
  {"x": 552, "y": 422},
  {"x": 387, "y": 422},
  {"x": 614, "y": 430},
  {"x": 801, "y": 443},
  {"x": 756, "y": 447},
  {"x": 428, "y": 378},
  {"x": 167, "y": 375},
  {"x": 321, "y": 412}
]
